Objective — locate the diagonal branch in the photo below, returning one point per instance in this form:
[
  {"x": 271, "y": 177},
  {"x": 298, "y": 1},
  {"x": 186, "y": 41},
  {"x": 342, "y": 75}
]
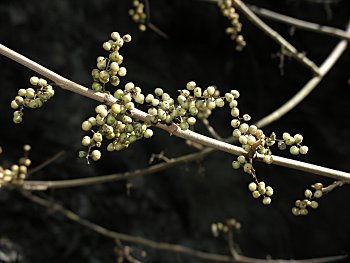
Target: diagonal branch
[
  {"x": 171, "y": 129},
  {"x": 174, "y": 248}
]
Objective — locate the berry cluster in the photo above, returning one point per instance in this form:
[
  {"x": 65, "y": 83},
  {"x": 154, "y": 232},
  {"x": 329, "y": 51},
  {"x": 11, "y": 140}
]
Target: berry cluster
[
  {"x": 301, "y": 205},
  {"x": 108, "y": 68},
  {"x": 17, "y": 173},
  {"x": 31, "y": 98},
  {"x": 191, "y": 102},
  {"x": 234, "y": 30},
  {"x": 138, "y": 14},
  {"x": 218, "y": 228}
]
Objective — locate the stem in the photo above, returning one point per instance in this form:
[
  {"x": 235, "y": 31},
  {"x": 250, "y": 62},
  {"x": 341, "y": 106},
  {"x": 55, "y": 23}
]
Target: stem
[
  {"x": 160, "y": 245},
  {"x": 305, "y": 25},
  {"x": 173, "y": 129},
  {"x": 309, "y": 86},
  {"x": 301, "y": 57}
]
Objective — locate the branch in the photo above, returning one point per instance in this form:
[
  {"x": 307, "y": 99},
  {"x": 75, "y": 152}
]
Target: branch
[
  {"x": 160, "y": 245},
  {"x": 46, "y": 163},
  {"x": 173, "y": 128},
  {"x": 301, "y": 57},
  {"x": 309, "y": 26},
  {"x": 309, "y": 86}
]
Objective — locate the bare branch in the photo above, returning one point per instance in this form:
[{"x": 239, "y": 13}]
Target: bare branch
[
  {"x": 302, "y": 24},
  {"x": 173, "y": 128},
  {"x": 211, "y": 130},
  {"x": 174, "y": 248},
  {"x": 309, "y": 86},
  {"x": 299, "y": 56},
  {"x": 46, "y": 163}
]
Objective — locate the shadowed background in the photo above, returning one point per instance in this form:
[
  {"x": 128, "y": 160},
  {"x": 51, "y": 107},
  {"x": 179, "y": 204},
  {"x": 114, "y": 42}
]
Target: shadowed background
[{"x": 177, "y": 205}]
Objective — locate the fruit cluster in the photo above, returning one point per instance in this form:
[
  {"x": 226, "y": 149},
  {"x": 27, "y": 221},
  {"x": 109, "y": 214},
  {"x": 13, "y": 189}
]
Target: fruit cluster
[
  {"x": 300, "y": 207},
  {"x": 17, "y": 173},
  {"x": 31, "y": 98},
  {"x": 138, "y": 14},
  {"x": 218, "y": 228},
  {"x": 234, "y": 30}
]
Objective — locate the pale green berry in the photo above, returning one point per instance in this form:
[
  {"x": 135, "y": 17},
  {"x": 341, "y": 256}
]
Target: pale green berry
[
  {"x": 303, "y": 149},
  {"x": 235, "y": 112},
  {"x": 236, "y": 165},
  {"x": 247, "y": 168},
  {"x": 34, "y": 80},
  {"x": 268, "y": 159},
  {"x": 115, "y": 35},
  {"x": 308, "y": 193},
  {"x": 122, "y": 71},
  {"x": 139, "y": 98},
  {"x": 165, "y": 96},
  {"x": 149, "y": 98},
  {"x": 229, "y": 97},
  {"x": 295, "y": 211},
  {"x": 211, "y": 90},
  {"x": 197, "y": 92},
  {"x": 252, "y": 186},
  {"x": 256, "y": 194},
  {"x": 246, "y": 147},
  {"x": 130, "y": 105},
  {"x": 246, "y": 117},
  {"x": 220, "y": 103},
  {"x": 251, "y": 140},
  {"x": 259, "y": 134},
  {"x": 318, "y": 193},
  {"x": 126, "y": 119},
  {"x": 97, "y": 137},
  {"x": 266, "y": 200},
  {"x": 95, "y": 155},
  {"x": 17, "y": 119},
  {"x": 14, "y": 105},
  {"x": 114, "y": 66},
  {"x": 86, "y": 126},
  {"x": 184, "y": 126},
  {"x": 127, "y": 98},
  {"x": 193, "y": 111},
  {"x": 235, "y": 123},
  {"x": 155, "y": 102},
  {"x": 181, "y": 99},
  {"x": 191, "y": 120},
  {"x": 243, "y": 139},
  {"x": 159, "y": 92},
  {"x": 104, "y": 76},
  {"x": 286, "y": 136},
  {"x": 211, "y": 105},
  {"x": 110, "y": 147},
  {"x": 235, "y": 93},
  {"x": 116, "y": 108},
  {"x": 298, "y": 138},
  {"x": 244, "y": 128},
  {"x": 318, "y": 186},
  {"x": 118, "y": 94},
  {"x": 42, "y": 82},
  {"x": 101, "y": 65},
  {"x": 294, "y": 150},
  {"x": 86, "y": 141},
  {"x": 290, "y": 141},
  {"x": 314, "y": 204},
  {"x": 30, "y": 93},
  {"x": 233, "y": 104},
  {"x": 241, "y": 159},
  {"x": 96, "y": 87},
  {"x": 127, "y": 38},
  {"x": 252, "y": 129},
  {"x": 107, "y": 46},
  {"x": 92, "y": 120},
  {"x": 22, "y": 92},
  {"x": 304, "y": 211},
  {"x": 191, "y": 85},
  {"x": 101, "y": 110},
  {"x": 148, "y": 133},
  {"x": 269, "y": 191},
  {"x": 236, "y": 133},
  {"x": 115, "y": 81}
]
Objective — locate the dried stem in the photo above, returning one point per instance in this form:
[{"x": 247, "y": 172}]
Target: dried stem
[
  {"x": 179, "y": 249},
  {"x": 46, "y": 163},
  {"x": 211, "y": 130},
  {"x": 173, "y": 129},
  {"x": 299, "y": 56},
  {"x": 305, "y": 25}
]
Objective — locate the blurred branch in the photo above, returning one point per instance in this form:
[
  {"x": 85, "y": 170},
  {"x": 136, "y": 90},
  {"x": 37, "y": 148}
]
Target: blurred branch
[
  {"x": 211, "y": 130},
  {"x": 46, "y": 163},
  {"x": 160, "y": 245},
  {"x": 302, "y": 24},
  {"x": 173, "y": 128}
]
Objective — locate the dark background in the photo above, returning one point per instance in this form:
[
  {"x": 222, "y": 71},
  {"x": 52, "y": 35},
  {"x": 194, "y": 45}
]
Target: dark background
[{"x": 177, "y": 205}]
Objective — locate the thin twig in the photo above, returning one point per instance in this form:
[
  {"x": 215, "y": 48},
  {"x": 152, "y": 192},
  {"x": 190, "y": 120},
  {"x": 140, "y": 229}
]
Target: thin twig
[
  {"x": 46, "y": 163},
  {"x": 299, "y": 56},
  {"x": 331, "y": 187},
  {"x": 309, "y": 86},
  {"x": 173, "y": 128},
  {"x": 157, "y": 30},
  {"x": 302, "y": 24},
  {"x": 160, "y": 245}
]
